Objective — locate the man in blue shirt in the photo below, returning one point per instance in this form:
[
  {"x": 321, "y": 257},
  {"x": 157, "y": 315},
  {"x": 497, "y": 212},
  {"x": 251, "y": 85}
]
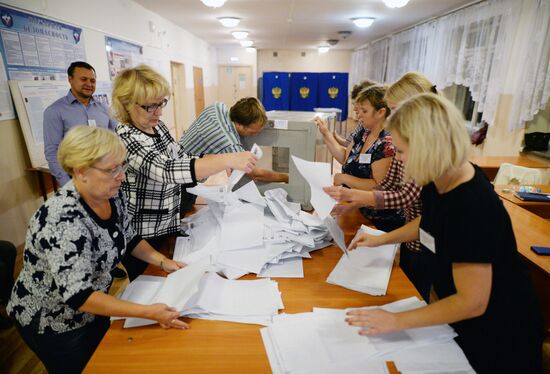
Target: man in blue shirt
[{"x": 77, "y": 108}]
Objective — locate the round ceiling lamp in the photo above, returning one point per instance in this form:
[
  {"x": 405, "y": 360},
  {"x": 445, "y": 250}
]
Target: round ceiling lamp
[
  {"x": 363, "y": 21},
  {"x": 213, "y": 3},
  {"x": 395, "y": 3},
  {"x": 229, "y": 21},
  {"x": 246, "y": 43},
  {"x": 323, "y": 49},
  {"x": 239, "y": 35}
]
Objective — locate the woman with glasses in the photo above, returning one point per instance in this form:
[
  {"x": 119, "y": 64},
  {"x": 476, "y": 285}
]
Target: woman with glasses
[
  {"x": 60, "y": 300},
  {"x": 157, "y": 165}
]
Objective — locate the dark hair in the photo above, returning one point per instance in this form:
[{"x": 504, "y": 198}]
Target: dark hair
[
  {"x": 78, "y": 64},
  {"x": 375, "y": 96},
  {"x": 360, "y": 87},
  {"x": 248, "y": 111}
]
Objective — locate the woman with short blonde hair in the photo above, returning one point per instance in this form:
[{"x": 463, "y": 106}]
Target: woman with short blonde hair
[
  {"x": 75, "y": 239},
  {"x": 158, "y": 166},
  {"x": 483, "y": 286},
  {"x": 410, "y": 84}
]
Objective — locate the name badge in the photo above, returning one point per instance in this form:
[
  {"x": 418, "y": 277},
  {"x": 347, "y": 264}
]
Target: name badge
[
  {"x": 364, "y": 158},
  {"x": 91, "y": 123},
  {"x": 427, "y": 240}
]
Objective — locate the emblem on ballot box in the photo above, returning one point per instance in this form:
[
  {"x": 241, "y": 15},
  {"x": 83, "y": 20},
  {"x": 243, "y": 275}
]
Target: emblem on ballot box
[
  {"x": 304, "y": 92},
  {"x": 333, "y": 92},
  {"x": 276, "y": 91}
]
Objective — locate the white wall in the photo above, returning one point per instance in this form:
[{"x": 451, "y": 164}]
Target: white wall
[
  {"x": 290, "y": 60},
  {"x": 122, "y": 19}
]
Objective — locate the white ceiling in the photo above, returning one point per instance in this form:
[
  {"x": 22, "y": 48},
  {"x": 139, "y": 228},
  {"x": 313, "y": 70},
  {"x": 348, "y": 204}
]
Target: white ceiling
[{"x": 296, "y": 24}]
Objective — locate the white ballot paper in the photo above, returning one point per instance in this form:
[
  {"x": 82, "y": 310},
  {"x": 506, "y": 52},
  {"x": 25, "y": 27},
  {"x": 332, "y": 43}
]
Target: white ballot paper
[
  {"x": 317, "y": 175},
  {"x": 236, "y": 175},
  {"x": 366, "y": 269},
  {"x": 336, "y": 233},
  {"x": 174, "y": 290}
]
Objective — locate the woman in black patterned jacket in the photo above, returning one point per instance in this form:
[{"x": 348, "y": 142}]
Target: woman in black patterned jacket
[{"x": 60, "y": 300}]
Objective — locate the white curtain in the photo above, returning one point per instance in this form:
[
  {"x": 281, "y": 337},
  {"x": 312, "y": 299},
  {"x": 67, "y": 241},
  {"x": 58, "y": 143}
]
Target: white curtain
[
  {"x": 533, "y": 83},
  {"x": 370, "y": 63},
  {"x": 474, "y": 47}
]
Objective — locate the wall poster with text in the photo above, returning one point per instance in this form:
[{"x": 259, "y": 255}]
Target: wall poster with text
[{"x": 122, "y": 55}]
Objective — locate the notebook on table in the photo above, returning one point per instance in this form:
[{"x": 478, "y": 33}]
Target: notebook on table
[{"x": 533, "y": 196}]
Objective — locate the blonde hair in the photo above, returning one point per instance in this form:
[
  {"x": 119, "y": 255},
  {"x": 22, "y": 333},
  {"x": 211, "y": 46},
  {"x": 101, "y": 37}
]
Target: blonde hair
[
  {"x": 136, "y": 86},
  {"x": 410, "y": 84},
  {"x": 434, "y": 130},
  {"x": 375, "y": 96},
  {"x": 83, "y": 146}
]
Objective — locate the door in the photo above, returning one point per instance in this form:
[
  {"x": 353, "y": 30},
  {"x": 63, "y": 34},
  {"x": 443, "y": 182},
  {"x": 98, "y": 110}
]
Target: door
[
  {"x": 235, "y": 82},
  {"x": 199, "y": 90},
  {"x": 178, "y": 97}
]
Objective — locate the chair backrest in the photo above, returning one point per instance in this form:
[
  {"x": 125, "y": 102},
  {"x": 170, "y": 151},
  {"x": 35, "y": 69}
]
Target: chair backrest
[{"x": 514, "y": 174}]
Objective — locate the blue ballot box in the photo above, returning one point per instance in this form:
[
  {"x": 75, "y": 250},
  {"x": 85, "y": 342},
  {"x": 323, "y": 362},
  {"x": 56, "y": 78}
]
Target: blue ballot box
[
  {"x": 276, "y": 91},
  {"x": 333, "y": 92},
  {"x": 303, "y": 91}
]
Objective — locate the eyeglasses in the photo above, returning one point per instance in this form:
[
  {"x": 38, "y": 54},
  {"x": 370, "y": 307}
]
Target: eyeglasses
[
  {"x": 114, "y": 172},
  {"x": 153, "y": 107}
]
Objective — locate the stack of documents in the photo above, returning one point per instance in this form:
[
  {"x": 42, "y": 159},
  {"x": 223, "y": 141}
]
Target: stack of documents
[
  {"x": 365, "y": 269},
  {"x": 197, "y": 294},
  {"x": 244, "y": 232},
  {"x": 322, "y": 342},
  {"x": 244, "y": 301}
]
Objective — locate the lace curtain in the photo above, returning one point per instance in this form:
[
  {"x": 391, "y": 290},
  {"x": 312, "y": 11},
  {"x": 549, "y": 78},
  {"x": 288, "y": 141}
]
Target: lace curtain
[
  {"x": 473, "y": 47},
  {"x": 370, "y": 63},
  {"x": 533, "y": 84}
]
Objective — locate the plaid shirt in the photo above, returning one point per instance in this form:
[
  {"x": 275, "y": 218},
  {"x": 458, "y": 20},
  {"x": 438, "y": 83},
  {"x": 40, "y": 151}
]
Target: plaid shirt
[
  {"x": 392, "y": 193},
  {"x": 157, "y": 167}
]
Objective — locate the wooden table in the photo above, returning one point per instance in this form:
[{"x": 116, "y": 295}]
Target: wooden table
[
  {"x": 225, "y": 347},
  {"x": 541, "y": 209},
  {"x": 490, "y": 164},
  {"x": 529, "y": 230}
]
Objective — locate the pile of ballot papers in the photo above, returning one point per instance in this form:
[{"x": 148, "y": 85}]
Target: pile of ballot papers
[
  {"x": 322, "y": 342},
  {"x": 244, "y": 232},
  {"x": 196, "y": 293},
  {"x": 366, "y": 269}
]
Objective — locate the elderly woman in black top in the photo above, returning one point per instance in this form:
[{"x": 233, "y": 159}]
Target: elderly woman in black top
[{"x": 60, "y": 300}]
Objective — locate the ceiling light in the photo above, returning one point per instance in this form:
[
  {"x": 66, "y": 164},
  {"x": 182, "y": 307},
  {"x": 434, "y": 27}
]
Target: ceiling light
[
  {"x": 246, "y": 43},
  {"x": 250, "y": 49},
  {"x": 395, "y": 3},
  {"x": 323, "y": 49},
  {"x": 234, "y": 59},
  {"x": 363, "y": 21},
  {"x": 229, "y": 21},
  {"x": 240, "y": 34},
  {"x": 213, "y": 3},
  {"x": 332, "y": 42},
  {"x": 344, "y": 34}
]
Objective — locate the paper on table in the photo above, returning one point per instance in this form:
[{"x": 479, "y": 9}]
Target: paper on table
[
  {"x": 239, "y": 217},
  {"x": 249, "y": 192},
  {"x": 289, "y": 268},
  {"x": 337, "y": 233},
  {"x": 317, "y": 175}
]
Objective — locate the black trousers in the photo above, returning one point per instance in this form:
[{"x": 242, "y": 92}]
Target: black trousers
[
  {"x": 7, "y": 263},
  {"x": 67, "y": 352}
]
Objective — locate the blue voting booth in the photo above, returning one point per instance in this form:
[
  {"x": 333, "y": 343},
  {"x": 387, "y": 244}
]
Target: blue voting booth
[
  {"x": 333, "y": 92},
  {"x": 303, "y": 91},
  {"x": 276, "y": 91}
]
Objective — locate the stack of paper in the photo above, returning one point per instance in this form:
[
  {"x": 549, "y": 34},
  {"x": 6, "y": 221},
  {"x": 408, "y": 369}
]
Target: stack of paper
[
  {"x": 244, "y": 301},
  {"x": 248, "y": 233},
  {"x": 175, "y": 290},
  {"x": 322, "y": 342},
  {"x": 365, "y": 269}
]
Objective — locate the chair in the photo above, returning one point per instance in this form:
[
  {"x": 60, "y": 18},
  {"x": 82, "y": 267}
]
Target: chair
[{"x": 514, "y": 174}]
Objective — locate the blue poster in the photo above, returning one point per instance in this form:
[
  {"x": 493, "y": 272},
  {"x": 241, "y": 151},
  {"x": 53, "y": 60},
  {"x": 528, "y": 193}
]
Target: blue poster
[
  {"x": 276, "y": 91},
  {"x": 333, "y": 92},
  {"x": 122, "y": 55},
  {"x": 303, "y": 91},
  {"x": 37, "y": 48}
]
